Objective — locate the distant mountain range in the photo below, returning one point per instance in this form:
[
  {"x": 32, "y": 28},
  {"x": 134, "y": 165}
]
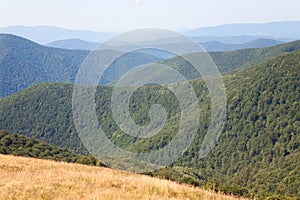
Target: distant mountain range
[
  {"x": 46, "y": 34},
  {"x": 237, "y": 39},
  {"x": 229, "y": 33},
  {"x": 73, "y": 44},
  {"x": 210, "y": 46},
  {"x": 213, "y": 46},
  {"x": 285, "y": 29}
]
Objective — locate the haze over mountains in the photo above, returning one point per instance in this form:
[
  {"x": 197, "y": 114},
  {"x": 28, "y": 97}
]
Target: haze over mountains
[
  {"x": 46, "y": 34},
  {"x": 284, "y": 29},
  {"x": 230, "y": 33},
  {"x": 213, "y": 39},
  {"x": 210, "y": 46},
  {"x": 73, "y": 44}
]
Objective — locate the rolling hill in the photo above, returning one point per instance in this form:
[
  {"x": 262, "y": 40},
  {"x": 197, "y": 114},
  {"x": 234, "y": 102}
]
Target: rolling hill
[
  {"x": 24, "y": 63},
  {"x": 25, "y": 178},
  {"x": 256, "y": 154}
]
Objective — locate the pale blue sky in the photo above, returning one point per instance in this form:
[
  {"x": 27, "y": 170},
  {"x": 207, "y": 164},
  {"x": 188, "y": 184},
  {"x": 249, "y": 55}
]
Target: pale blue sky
[{"x": 123, "y": 15}]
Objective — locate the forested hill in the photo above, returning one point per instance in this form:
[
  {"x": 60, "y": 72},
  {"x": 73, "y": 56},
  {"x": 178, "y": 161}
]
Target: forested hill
[
  {"x": 24, "y": 63},
  {"x": 260, "y": 142},
  {"x": 259, "y": 146},
  {"x": 18, "y": 145}
]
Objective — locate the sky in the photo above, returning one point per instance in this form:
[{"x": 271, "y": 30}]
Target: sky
[{"x": 124, "y": 15}]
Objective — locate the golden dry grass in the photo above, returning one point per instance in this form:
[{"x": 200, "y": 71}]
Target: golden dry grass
[{"x": 29, "y": 178}]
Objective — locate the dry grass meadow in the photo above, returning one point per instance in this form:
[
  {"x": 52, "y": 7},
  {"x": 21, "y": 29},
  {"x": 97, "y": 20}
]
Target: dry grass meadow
[{"x": 29, "y": 178}]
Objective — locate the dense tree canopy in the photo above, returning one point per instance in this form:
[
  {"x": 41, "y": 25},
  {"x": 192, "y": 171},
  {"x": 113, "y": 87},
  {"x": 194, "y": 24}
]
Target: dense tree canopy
[{"x": 19, "y": 145}]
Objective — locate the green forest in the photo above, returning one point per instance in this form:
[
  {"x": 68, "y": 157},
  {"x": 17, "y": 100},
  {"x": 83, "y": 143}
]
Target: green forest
[{"x": 18, "y": 145}]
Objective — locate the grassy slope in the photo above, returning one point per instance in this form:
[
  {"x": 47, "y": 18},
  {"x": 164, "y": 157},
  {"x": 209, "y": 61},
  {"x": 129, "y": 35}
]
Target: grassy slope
[{"x": 28, "y": 178}]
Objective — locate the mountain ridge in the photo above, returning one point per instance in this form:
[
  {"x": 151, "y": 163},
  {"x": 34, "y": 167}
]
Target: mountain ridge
[
  {"x": 44, "y": 34},
  {"x": 286, "y": 29},
  {"x": 209, "y": 46},
  {"x": 24, "y": 63}
]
